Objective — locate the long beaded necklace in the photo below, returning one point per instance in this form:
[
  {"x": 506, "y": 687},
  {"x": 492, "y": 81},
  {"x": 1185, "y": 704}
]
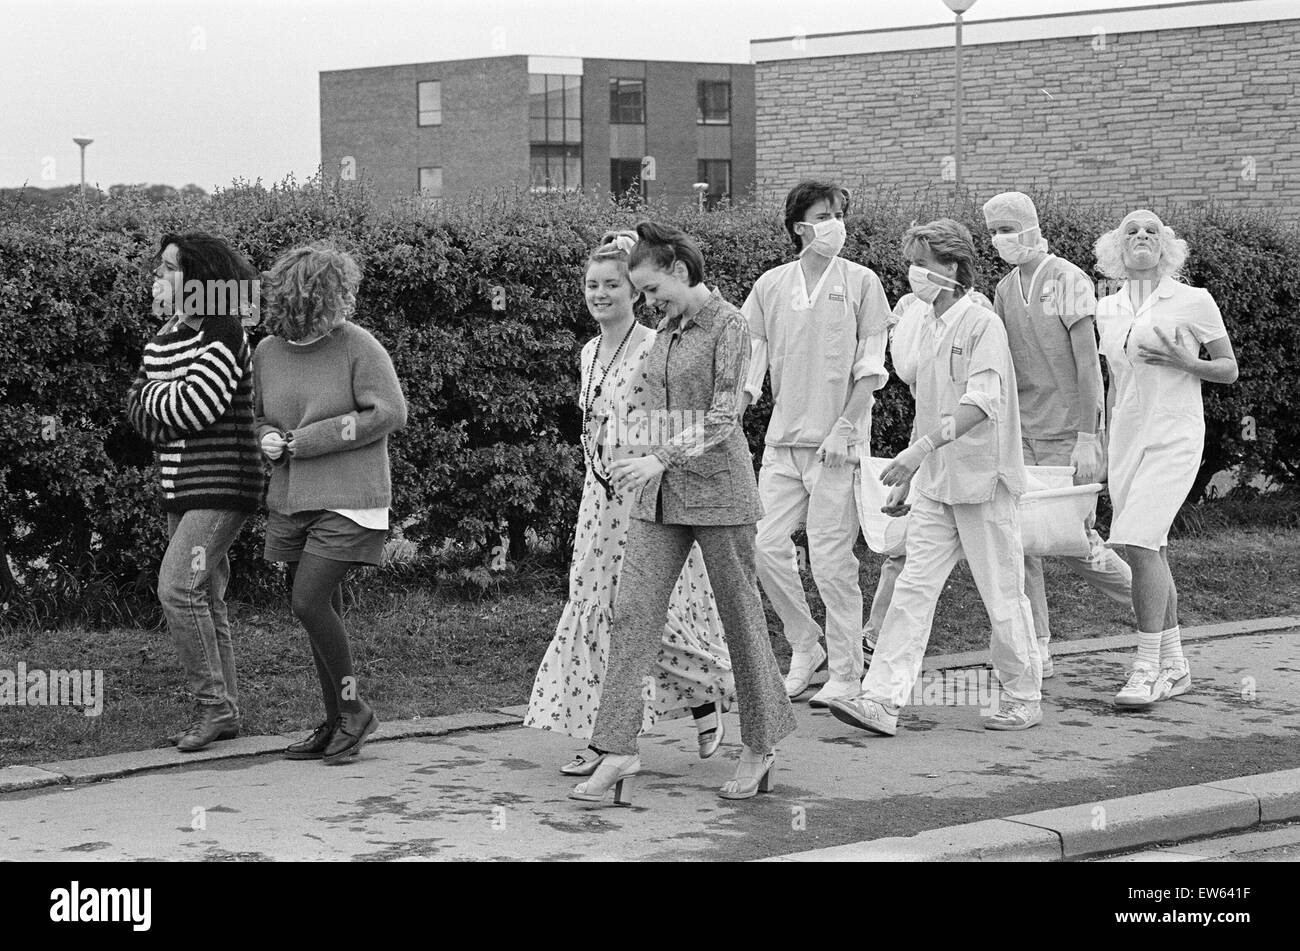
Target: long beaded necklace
[{"x": 589, "y": 398}]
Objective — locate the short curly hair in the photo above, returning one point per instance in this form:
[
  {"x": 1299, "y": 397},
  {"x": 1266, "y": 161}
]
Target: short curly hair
[
  {"x": 1110, "y": 251},
  {"x": 310, "y": 291}
]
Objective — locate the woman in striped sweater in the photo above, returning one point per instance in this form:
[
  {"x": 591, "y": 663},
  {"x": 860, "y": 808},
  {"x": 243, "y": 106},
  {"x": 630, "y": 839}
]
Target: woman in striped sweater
[{"x": 192, "y": 399}]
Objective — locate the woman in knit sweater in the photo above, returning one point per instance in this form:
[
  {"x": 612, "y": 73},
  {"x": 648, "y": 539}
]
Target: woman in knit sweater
[
  {"x": 326, "y": 399},
  {"x": 192, "y": 400}
]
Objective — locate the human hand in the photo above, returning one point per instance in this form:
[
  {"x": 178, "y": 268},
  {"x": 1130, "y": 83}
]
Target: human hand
[
  {"x": 273, "y": 445},
  {"x": 896, "y": 502},
  {"x": 834, "y": 450},
  {"x": 1173, "y": 353},
  {"x": 905, "y": 464},
  {"x": 1086, "y": 459},
  {"x": 632, "y": 475}
]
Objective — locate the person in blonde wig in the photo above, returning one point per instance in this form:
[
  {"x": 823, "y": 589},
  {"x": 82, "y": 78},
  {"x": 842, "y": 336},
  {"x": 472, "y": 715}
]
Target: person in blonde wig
[
  {"x": 1152, "y": 331},
  {"x": 694, "y": 670},
  {"x": 326, "y": 399}
]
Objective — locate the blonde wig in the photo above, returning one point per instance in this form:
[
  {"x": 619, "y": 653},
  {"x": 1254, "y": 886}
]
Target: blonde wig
[{"x": 1110, "y": 250}]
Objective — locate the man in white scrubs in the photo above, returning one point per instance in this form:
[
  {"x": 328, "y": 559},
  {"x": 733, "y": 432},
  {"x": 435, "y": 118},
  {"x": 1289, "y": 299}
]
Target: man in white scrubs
[
  {"x": 966, "y": 462},
  {"x": 819, "y": 324},
  {"x": 1047, "y": 306}
]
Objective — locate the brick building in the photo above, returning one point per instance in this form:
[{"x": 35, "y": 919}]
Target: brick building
[
  {"x": 451, "y": 128},
  {"x": 1174, "y": 103}
]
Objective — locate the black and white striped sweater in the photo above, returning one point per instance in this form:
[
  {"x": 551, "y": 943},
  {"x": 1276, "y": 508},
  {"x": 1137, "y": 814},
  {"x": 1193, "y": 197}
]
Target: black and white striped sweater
[{"x": 192, "y": 399}]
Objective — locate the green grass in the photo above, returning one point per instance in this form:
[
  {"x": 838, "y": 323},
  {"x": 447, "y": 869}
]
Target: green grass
[{"x": 425, "y": 652}]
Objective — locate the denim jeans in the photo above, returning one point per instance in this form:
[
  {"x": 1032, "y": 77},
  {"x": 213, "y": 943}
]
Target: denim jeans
[{"x": 192, "y": 588}]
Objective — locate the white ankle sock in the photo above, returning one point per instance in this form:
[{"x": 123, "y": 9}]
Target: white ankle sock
[
  {"x": 1149, "y": 649},
  {"x": 1171, "y": 648}
]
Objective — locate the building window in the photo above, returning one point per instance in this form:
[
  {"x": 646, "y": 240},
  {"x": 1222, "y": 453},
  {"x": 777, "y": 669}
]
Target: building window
[
  {"x": 624, "y": 176},
  {"x": 714, "y": 102},
  {"x": 431, "y": 182},
  {"x": 627, "y": 101},
  {"x": 555, "y": 166},
  {"x": 429, "y": 103},
  {"x": 555, "y": 130},
  {"x": 717, "y": 173}
]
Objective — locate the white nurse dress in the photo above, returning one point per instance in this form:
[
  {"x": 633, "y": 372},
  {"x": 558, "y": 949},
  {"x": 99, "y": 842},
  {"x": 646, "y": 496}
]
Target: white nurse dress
[{"x": 1157, "y": 428}]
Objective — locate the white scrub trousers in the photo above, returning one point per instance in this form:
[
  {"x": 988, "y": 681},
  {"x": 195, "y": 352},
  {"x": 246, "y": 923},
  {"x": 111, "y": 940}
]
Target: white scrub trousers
[
  {"x": 797, "y": 489},
  {"x": 988, "y": 534}
]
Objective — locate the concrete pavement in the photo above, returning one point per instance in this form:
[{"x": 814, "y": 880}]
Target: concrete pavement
[{"x": 482, "y": 787}]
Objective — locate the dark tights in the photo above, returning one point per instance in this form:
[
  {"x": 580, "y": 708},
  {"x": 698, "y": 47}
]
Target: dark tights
[{"x": 318, "y": 604}]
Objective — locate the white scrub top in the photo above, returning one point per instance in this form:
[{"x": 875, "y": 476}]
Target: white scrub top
[
  {"x": 963, "y": 357},
  {"x": 817, "y": 343},
  {"x": 1157, "y": 429},
  {"x": 905, "y": 326}
]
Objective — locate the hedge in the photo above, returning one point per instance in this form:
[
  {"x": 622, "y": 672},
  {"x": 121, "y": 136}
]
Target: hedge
[{"x": 492, "y": 434}]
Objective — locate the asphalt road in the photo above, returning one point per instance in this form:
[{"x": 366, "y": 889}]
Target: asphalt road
[{"x": 498, "y": 794}]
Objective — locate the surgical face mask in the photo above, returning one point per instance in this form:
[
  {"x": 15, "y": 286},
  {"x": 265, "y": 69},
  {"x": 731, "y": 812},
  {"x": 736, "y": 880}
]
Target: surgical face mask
[
  {"x": 828, "y": 238},
  {"x": 1012, "y": 249},
  {"x": 925, "y": 286}
]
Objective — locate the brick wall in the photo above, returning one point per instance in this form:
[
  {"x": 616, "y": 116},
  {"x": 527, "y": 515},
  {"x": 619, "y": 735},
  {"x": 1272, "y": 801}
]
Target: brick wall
[
  {"x": 1153, "y": 118},
  {"x": 370, "y": 114}
]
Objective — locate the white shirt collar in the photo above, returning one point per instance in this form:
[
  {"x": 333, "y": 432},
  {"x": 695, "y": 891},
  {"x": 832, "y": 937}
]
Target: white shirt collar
[
  {"x": 952, "y": 313},
  {"x": 1164, "y": 289}
]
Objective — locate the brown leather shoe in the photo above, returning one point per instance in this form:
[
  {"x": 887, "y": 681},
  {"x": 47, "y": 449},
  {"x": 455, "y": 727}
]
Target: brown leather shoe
[
  {"x": 314, "y": 746},
  {"x": 215, "y": 719},
  {"x": 350, "y": 732}
]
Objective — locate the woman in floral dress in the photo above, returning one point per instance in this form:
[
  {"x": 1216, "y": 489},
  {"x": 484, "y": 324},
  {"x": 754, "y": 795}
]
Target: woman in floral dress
[{"x": 694, "y": 670}]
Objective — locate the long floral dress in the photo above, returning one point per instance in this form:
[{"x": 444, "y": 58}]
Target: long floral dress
[{"x": 693, "y": 666}]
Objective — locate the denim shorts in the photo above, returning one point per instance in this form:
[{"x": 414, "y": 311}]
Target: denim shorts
[{"x": 324, "y": 534}]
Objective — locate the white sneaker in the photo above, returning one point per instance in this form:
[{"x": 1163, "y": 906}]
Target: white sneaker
[
  {"x": 866, "y": 714},
  {"x": 802, "y": 666},
  {"x": 1045, "y": 652},
  {"x": 835, "y": 690},
  {"x": 1179, "y": 680},
  {"x": 1015, "y": 715},
  {"x": 1145, "y": 686}
]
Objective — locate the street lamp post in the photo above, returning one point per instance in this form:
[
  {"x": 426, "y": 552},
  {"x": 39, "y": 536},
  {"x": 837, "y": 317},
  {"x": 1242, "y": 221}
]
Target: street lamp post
[
  {"x": 958, "y": 7},
  {"x": 82, "y": 141}
]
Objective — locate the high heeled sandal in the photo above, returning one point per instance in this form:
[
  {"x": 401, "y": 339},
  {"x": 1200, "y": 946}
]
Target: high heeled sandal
[
  {"x": 754, "y": 784},
  {"x": 613, "y": 771},
  {"x": 710, "y": 736},
  {"x": 584, "y": 764}
]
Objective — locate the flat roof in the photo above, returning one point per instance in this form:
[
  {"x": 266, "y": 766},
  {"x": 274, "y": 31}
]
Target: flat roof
[
  {"x": 571, "y": 65},
  {"x": 1041, "y": 26}
]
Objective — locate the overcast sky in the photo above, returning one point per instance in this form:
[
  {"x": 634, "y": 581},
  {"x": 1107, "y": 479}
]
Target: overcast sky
[{"x": 206, "y": 91}]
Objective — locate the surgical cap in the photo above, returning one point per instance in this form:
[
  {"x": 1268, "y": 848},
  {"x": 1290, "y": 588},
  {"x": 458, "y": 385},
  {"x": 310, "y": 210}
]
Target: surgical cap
[{"x": 1017, "y": 208}]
